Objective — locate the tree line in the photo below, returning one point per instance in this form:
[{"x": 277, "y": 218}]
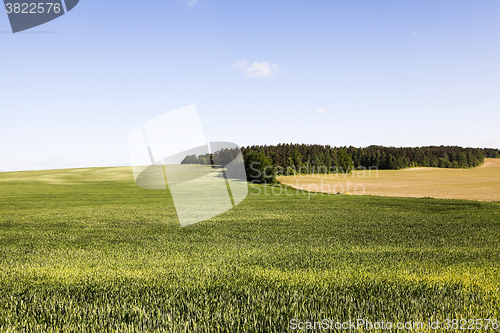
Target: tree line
[
  {"x": 292, "y": 159},
  {"x": 264, "y": 163}
]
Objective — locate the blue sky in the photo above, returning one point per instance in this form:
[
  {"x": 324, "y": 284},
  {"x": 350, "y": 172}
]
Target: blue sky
[{"x": 395, "y": 73}]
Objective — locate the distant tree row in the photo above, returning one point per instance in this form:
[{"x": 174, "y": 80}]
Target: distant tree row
[
  {"x": 313, "y": 159},
  {"x": 393, "y": 158},
  {"x": 264, "y": 163},
  {"x": 205, "y": 159},
  {"x": 220, "y": 157}
]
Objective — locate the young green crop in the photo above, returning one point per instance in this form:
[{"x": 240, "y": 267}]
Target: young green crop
[{"x": 86, "y": 250}]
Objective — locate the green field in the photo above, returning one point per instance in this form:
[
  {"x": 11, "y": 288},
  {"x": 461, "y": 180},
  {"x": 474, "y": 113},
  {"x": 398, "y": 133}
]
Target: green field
[{"x": 89, "y": 251}]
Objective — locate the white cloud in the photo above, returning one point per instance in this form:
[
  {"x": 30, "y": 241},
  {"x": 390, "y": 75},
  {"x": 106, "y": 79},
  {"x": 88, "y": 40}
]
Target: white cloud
[
  {"x": 322, "y": 110},
  {"x": 240, "y": 64},
  {"x": 257, "y": 69}
]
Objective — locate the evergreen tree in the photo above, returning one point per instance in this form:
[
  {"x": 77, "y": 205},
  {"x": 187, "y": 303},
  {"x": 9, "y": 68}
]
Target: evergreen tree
[{"x": 345, "y": 161}]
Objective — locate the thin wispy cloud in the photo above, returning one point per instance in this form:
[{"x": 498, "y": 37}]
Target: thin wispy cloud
[
  {"x": 257, "y": 69},
  {"x": 189, "y": 3},
  {"x": 322, "y": 110}
]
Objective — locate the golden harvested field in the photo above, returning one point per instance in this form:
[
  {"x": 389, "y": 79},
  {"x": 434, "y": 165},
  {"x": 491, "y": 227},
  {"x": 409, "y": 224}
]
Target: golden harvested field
[{"x": 480, "y": 184}]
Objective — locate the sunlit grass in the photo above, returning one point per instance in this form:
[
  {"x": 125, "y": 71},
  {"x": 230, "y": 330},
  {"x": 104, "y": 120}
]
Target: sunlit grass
[{"x": 93, "y": 252}]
